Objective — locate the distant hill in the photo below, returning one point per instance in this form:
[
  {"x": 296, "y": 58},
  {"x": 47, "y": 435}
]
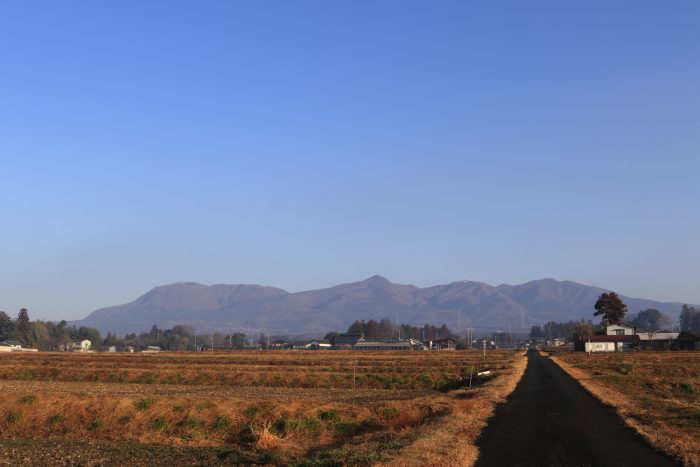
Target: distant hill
[{"x": 255, "y": 308}]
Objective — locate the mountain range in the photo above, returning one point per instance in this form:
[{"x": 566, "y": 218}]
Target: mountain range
[{"x": 256, "y": 308}]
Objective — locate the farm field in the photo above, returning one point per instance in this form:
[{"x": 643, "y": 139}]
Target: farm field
[
  {"x": 265, "y": 407},
  {"x": 656, "y": 393}
]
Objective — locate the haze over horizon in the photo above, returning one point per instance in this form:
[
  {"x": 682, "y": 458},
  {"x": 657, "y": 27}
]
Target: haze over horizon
[{"x": 302, "y": 145}]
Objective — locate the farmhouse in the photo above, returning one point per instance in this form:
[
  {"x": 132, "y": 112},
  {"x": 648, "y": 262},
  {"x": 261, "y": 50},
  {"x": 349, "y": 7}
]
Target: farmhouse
[
  {"x": 608, "y": 343},
  {"x": 77, "y": 346},
  {"x": 620, "y": 337},
  {"x": 348, "y": 341},
  {"x": 620, "y": 330}
]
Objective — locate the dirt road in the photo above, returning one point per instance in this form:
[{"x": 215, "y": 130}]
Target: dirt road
[{"x": 550, "y": 420}]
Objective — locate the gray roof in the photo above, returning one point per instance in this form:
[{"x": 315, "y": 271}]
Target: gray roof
[{"x": 349, "y": 338}]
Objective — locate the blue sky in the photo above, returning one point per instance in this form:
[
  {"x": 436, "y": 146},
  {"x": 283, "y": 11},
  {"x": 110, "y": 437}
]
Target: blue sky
[{"x": 303, "y": 144}]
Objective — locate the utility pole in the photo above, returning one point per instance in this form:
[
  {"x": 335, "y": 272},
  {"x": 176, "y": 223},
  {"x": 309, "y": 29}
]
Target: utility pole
[
  {"x": 484, "y": 352},
  {"x": 354, "y": 364}
]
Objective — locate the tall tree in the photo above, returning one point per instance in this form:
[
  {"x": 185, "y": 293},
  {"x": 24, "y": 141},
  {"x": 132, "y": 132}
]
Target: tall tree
[
  {"x": 7, "y": 327},
  {"x": 22, "y": 326},
  {"x": 611, "y": 307},
  {"x": 650, "y": 319},
  {"x": 689, "y": 316}
]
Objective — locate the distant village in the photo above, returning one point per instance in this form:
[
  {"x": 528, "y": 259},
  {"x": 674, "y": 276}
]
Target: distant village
[{"x": 642, "y": 331}]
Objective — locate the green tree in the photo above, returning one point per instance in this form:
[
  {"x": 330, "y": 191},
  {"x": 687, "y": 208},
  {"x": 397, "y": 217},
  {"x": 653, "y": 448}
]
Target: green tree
[
  {"x": 536, "y": 332},
  {"x": 330, "y": 337},
  {"x": 22, "y": 325},
  {"x": 357, "y": 327},
  {"x": 690, "y": 320},
  {"x": 7, "y": 327},
  {"x": 650, "y": 319},
  {"x": 611, "y": 308}
]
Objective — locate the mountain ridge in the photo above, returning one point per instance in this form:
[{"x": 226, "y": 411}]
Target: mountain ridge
[{"x": 257, "y": 308}]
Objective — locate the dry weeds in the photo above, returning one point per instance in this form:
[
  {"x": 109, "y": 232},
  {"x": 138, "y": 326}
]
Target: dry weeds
[
  {"x": 405, "y": 403},
  {"x": 452, "y": 441}
]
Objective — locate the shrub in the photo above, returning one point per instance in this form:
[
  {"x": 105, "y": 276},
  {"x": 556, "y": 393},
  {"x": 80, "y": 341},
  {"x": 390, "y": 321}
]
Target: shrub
[
  {"x": 95, "y": 425},
  {"x": 279, "y": 426},
  {"x": 27, "y": 399},
  {"x": 246, "y": 435},
  {"x": 347, "y": 427},
  {"x": 370, "y": 424},
  {"x": 159, "y": 423},
  {"x": 124, "y": 419},
  {"x": 221, "y": 423},
  {"x": 329, "y": 415},
  {"x": 55, "y": 418},
  {"x": 143, "y": 404},
  {"x": 192, "y": 423},
  {"x": 13, "y": 416},
  {"x": 251, "y": 411},
  {"x": 178, "y": 408},
  {"x": 309, "y": 424}
]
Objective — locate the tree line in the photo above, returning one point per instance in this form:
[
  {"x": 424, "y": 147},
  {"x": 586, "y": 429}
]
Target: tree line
[
  {"x": 386, "y": 329},
  {"x": 43, "y": 335}
]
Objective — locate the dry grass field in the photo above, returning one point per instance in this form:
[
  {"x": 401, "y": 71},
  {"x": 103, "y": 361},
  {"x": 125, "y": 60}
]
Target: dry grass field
[
  {"x": 266, "y": 407},
  {"x": 656, "y": 393}
]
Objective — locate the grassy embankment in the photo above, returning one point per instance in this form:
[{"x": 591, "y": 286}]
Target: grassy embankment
[
  {"x": 655, "y": 393},
  {"x": 266, "y": 407}
]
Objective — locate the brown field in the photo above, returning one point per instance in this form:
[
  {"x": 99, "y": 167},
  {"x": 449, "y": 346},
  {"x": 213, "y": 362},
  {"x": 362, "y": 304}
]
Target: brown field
[
  {"x": 656, "y": 393},
  {"x": 267, "y": 407}
]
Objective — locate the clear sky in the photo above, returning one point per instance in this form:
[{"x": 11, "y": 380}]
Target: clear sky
[{"x": 303, "y": 144}]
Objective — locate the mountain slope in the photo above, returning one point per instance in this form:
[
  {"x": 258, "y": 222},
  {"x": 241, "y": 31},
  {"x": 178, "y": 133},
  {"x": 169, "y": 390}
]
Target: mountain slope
[{"x": 255, "y": 308}]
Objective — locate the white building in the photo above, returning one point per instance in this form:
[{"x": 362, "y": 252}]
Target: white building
[
  {"x": 620, "y": 330},
  {"x": 79, "y": 346},
  {"x": 658, "y": 336},
  {"x": 10, "y": 347}
]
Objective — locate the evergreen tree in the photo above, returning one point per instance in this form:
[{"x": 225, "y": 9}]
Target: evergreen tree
[
  {"x": 22, "y": 325},
  {"x": 7, "y": 327},
  {"x": 611, "y": 308}
]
